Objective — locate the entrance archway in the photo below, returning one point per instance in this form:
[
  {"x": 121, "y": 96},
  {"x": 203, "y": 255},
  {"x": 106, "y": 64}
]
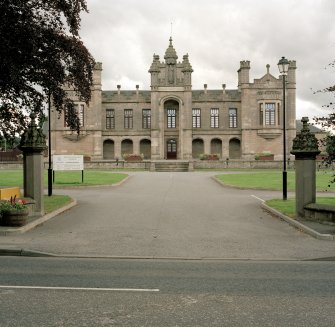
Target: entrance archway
[{"x": 171, "y": 149}]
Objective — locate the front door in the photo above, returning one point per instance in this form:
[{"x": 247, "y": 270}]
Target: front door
[{"x": 171, "y": 152}]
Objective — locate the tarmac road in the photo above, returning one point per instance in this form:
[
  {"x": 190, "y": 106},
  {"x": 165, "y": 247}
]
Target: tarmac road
[
  {"x": 104, "y": 292},
  {"x": 175, "y": 215}
]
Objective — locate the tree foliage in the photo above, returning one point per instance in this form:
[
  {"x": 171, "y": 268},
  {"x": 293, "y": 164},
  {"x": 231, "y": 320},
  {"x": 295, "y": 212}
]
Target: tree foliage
[
  {"x": 329, "y": 120},
  {"x": 41, "y": 51}
]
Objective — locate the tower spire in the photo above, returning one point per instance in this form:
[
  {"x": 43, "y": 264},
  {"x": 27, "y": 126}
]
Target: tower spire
[{"x": 170, "y": 54}]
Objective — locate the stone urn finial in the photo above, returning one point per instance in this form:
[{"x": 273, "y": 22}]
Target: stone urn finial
[
  {"x": 33, "y": 138},
  {"x": 305, "y": 144}
]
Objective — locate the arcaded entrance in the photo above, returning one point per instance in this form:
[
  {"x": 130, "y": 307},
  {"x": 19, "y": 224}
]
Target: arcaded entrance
[
  {"x": 108, "y": 149},
  {"x": 234, "y": 149},
  {"x": 197, "y": 148},
  {"x": 145, "y": 149}
]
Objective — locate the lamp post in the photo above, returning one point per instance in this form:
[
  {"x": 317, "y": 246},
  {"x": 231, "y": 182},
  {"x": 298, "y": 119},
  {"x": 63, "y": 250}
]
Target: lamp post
[
  {"x": 283, "y": 65},
  {"x": 49, "y": 148}
]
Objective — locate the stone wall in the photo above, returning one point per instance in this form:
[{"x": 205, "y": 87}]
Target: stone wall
[
  {"x": 11, "y": 165},
  {"x": 198, "y": 164},
  {"x": 232, "y": 164},
  {"x": 145, "y": 164}
]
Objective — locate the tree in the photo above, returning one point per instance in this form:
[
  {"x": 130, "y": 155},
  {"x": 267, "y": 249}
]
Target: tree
[
  {"x": 41, "y": 51},
  {"x": 328, "y": 122}
]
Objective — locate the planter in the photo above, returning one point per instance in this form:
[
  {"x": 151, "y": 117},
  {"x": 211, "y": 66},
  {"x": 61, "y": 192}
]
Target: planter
[
  {"x": 133, "y": 157},
  {"x": 14, "y": 218},
  {"x": 212, "y": 157},
  {"x": 209, "y": 157},
  {"x": 269, "y": 157}
]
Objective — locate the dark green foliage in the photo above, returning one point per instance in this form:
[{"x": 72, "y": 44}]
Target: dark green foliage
[
  {"x": 330, "y": 146},
  {"x": 329, "y": 158},
  {"x": 9, "y": 144},
  {"x": 40, "y": 52},
  {"x": 328, "y": 122}
]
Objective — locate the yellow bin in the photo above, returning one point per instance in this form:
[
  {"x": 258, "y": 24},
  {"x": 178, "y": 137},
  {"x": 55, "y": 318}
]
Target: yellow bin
[{"x": 8, "y": 192}]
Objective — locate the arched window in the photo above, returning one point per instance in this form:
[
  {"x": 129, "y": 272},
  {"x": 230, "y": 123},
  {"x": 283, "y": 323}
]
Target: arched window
[
  {"x": 108, "y": 149},
  {"x": 216, "y": 147},
  {"x": 126, "y": 147},
  {"x": 171, "y": 110},
  {"x": 234, "y": 149},
  {"x": 145, "y": 149},
  {"x": 197, "y": 148}
]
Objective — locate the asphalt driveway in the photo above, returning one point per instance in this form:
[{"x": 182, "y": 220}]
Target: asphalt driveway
[{"x": 178, "y": 215}]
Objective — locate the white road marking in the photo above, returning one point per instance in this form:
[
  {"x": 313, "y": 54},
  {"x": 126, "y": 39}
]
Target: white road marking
[
  {"x": 80, "y": 288},
  {"x": 256, "y": 197}
]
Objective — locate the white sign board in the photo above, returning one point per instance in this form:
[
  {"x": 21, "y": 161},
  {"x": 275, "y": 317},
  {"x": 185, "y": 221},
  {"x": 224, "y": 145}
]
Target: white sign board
[{"x": 68, "y": 162}]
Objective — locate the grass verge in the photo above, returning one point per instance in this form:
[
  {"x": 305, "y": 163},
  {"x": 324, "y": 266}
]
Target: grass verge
[
  {"x": 66, "y": 178},
  {"x": 272, "y": 180},
  {"x": 288, "y": 207},
  {"x": 91, "y": 178},
  {"x": 285, "y": 207},
  {"x": 54, "y": 202}
]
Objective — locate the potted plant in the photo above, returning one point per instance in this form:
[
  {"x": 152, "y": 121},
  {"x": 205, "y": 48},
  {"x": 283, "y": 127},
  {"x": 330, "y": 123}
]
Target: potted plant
[
  {"x": 212, "y": 156},
  {"x": 13, "y": 212},
  {"x": 132, "y": 157}
]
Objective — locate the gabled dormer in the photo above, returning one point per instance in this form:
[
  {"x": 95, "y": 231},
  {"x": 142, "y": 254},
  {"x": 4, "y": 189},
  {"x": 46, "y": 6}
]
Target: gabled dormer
[{"x": 268, "y": 80}]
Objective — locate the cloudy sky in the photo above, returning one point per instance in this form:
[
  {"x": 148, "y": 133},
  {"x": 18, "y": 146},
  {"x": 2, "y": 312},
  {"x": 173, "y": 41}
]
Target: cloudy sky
[{"x": 217, "y": 34}]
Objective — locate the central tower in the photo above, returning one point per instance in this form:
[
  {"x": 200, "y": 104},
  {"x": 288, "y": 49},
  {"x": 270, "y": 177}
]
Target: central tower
[{"x": 171, "y": 105}]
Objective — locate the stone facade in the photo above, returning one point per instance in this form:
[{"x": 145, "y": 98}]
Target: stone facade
[{"x": 173, "y": 121}]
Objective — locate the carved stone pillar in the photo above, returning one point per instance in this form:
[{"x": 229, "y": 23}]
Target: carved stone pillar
[
  {"x": 305, "y": 148},
  {"x": 32, "y": 145}
]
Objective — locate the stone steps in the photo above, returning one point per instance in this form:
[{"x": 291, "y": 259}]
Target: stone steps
[{"x": 172, "y": 166}]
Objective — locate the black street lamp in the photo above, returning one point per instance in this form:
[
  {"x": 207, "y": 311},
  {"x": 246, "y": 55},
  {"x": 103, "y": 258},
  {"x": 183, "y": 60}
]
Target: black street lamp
[
  {"x": 49, "y": 148},
  {"x": 283, "y": 65}
]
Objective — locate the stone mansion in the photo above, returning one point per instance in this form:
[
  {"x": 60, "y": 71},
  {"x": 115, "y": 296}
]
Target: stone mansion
[{"x": 173, "y": 121}]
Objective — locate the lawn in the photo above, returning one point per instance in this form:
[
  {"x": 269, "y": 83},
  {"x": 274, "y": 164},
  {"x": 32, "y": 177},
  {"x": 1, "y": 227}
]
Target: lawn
[
  {"x": 288, "y": 207},
  {"x": 272, "y": 180},
  {"x": 54, "y": 202},
  {"x": 65, "y": 178}
]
